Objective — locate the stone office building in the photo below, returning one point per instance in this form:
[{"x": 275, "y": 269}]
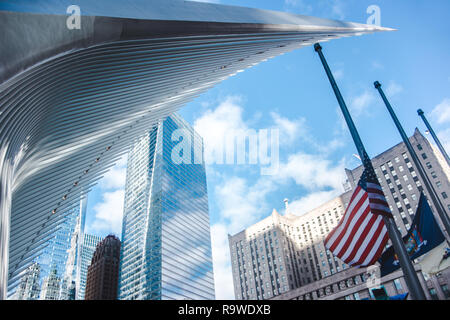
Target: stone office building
[
  {"x": 360, "y": 283},
  {"x": 284, "y": 256},
  {"x": 282, "y": 253},
  {"x": 400, "y": 181}
]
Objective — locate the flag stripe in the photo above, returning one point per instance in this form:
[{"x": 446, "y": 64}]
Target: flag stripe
[
  {"x": 353, "y": 232},
  {"x": 373, "y": 237},
  {"x": 350, "y": 220},
  {"x": 381, "y": 247},
  {"x": 361, "y": 250},
  {"x": 377, "y": 201},
  {"x": 361, "y": 235},
  {"x": 377, "y": 246},
  {"x": 356, "y": 199}
]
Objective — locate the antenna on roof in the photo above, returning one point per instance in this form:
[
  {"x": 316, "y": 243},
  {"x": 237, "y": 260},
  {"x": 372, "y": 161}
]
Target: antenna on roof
[{"x": 286, "y": 204}]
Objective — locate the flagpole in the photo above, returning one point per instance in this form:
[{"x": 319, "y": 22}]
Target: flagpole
[
  {"x": 438, "y": 143},
  {"x": 428, "y": 185},
  {"x": 409, "y": 272}
]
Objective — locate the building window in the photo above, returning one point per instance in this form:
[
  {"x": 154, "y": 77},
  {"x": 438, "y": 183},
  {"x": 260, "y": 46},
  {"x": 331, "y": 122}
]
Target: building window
[
  {"x": 424, "y": 156},
  {"x": 400, "y": 168},
  {"x": 419, "y": 147},
  {"x": 433, "y": 294},
  {"x": 444, "y": 288},
  {"x": 433, "y": 174},
  {"x": 438, "y": 184},
  {"x": 363, "y": 278},
  {"x": 397, "y": 160},
  {"x": 398, "y": 285},
  {"x": 429, "y": 166},
  {"x": 444, "y": 195}
]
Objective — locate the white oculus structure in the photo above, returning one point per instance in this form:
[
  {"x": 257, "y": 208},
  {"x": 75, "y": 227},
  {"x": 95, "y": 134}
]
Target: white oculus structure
[{"x": 74, "y": 97}]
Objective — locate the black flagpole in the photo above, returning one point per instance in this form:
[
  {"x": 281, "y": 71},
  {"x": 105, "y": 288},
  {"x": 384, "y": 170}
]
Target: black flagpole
[
  {"x": 409, "y": 272},
  {"x": 438, "y": 143},
  {"x": 428, "y": 185}
]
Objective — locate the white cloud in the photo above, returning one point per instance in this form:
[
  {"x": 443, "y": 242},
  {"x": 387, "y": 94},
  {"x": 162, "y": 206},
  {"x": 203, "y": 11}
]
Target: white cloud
[
  {"x": 114, "y": 178},
  {"x": 338, "y": 74},
  {"x": 312, "y": 172},
  {"x": 122, "y": 162},
  {"x": 215, "y": 125},
  {"x": 337, "y": 9},
  {"x": 297, "y": 130},
  {"x": 311, "y": 201},
  {"x": 444, "y": 138},
  {"x": 393, "y": 88},
  {"x": 242, "y": 203},
  {"x": 108, "y": 212},
  {"x": 441, "y": 113},
  {"x": 376, "y": 65},
  {"x": 223, "y": 280},
  {"x": 290, "y": 130},
  {"x": 359, "y": 105}
]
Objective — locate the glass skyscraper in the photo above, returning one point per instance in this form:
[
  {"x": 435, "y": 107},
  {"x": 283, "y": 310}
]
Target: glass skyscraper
[
  {"x": 55, "y": 254},
  {"x": 166, "y": 242},
  {"x": 58, "y": 259},
  {"x": 86, "y": 252}
]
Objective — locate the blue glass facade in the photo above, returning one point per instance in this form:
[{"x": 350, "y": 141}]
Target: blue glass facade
[
  {"x": 56, "y": 256},
  {"x": 166, "y": 242},
  {"x": 86, "y": 253}
]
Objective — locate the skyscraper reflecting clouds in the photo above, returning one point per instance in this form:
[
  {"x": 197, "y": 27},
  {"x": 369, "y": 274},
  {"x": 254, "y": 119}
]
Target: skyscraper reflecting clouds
[
  {"x": 166, "y": 243},
  {"x": 86, "y": 252}
]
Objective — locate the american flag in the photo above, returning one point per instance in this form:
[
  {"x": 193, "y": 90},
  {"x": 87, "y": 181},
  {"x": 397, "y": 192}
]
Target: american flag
[{"x": 361, "y": 235}]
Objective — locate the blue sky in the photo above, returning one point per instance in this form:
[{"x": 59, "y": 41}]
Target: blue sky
[{"x": 291, "y": 93}]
